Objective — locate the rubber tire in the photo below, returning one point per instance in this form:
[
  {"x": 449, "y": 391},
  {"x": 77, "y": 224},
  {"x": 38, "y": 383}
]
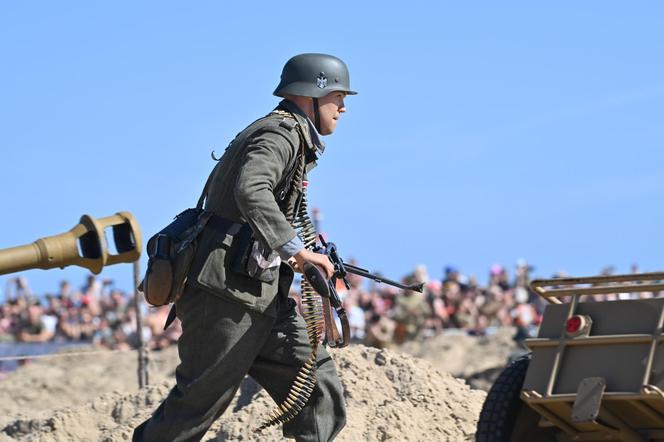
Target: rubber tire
[{"x": 504, "y": 416}]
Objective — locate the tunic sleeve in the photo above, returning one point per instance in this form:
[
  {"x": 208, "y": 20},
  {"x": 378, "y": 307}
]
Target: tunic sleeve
[{"x": 267, "y": 157}]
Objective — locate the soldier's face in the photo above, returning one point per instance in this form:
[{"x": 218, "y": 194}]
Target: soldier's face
[{"x": 331, "y": 107}]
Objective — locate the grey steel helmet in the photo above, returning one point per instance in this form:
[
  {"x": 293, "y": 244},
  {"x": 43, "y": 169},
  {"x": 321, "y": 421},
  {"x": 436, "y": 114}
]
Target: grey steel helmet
[{"x": 314, "y": 75}]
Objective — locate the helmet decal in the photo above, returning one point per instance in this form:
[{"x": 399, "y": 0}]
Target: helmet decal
[{"x": 321, "y": 80}]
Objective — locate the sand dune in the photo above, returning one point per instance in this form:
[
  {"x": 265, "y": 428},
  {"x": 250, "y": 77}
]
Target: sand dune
[{"x": 389, "y": 396}]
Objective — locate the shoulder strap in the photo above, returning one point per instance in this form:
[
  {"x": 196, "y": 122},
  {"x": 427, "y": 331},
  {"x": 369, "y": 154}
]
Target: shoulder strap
[
  {"x": 203, "y": 197},
  {"x": 206, "y": 188},
  {"x": 286, "y": 183}
]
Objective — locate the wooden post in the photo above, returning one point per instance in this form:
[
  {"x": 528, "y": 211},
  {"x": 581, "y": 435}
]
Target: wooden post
[{"x": 142, "y": 348}]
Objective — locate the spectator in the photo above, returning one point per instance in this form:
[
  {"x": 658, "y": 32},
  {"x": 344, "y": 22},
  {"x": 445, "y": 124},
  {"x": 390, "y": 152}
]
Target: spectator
[
  {"x": 33, "y": 328},
  {"x": 356, "y": 319},
  {"x": 380, "y": 331},
  {"x": 411, "y": 312}
]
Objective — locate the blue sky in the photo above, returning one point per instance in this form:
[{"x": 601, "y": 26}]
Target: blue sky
[{"x": 482, "y": 133}]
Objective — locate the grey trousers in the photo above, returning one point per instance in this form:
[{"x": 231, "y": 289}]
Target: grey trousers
[{"x": 221, "y": 342}]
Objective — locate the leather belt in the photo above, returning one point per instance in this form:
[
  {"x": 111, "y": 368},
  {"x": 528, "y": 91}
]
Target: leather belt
[{"x": 224, "y": 225}]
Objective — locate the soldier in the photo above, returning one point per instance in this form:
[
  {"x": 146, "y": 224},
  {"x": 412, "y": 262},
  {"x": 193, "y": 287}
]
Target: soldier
[{"x": 236, "y": 315}]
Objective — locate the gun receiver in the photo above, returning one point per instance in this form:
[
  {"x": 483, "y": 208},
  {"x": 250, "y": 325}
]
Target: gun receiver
[
  {"x": 327, "y": 290},
  {"x": 341, "y": 269},
  {"x": 85, "y": 245}
]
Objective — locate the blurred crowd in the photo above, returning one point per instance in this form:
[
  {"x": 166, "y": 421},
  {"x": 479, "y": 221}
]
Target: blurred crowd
[
  {"x": 379, "y": 315},
  {"x": 97, "y": 314},
  {"x": 382, "y": 316}
]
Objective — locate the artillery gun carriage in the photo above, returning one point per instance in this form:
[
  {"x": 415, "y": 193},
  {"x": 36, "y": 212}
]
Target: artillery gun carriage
[{"x": 595, "y": 371}]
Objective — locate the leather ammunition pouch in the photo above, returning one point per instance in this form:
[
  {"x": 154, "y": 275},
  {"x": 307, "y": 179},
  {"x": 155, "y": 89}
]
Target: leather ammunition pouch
[{"x": 170, "y": 253}]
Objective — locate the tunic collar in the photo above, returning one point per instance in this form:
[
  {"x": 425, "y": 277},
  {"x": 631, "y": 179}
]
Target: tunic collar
[{"x": 313, "y": 133}]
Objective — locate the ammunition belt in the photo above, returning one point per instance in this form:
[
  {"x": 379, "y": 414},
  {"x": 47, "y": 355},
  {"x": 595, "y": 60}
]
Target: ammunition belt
[{"x": 312, "y": 312}]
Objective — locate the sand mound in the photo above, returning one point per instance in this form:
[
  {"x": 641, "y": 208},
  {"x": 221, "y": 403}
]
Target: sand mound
[
  {"x": 477, "y": 359},
  {"x": 73, "y": 380},
  {"x": 389, "y": 396}
]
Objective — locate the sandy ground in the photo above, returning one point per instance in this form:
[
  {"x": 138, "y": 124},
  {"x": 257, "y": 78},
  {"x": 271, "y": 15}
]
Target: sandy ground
[
  {"x": 478, "y": 360},
  {"x": 390, "y": 394}
]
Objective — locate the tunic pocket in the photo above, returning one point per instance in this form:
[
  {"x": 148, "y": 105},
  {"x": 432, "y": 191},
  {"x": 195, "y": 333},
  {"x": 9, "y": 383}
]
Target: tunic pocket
[{"x": 216, "y": 277}]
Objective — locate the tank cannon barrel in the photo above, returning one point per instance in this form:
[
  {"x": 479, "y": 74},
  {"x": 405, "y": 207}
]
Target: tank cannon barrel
[{"x": 85, "y": 245}]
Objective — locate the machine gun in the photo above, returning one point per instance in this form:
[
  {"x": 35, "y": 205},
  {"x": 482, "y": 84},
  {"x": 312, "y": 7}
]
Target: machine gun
[
  {"x": 327, "y": 290},
  {"x": 317, "y": 314},
  {"x": 85, "y": 245}
]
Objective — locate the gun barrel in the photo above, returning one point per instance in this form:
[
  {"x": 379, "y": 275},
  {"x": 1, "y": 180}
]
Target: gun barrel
[
  {"x": 361, "y": 272},
  {"x": 16, "y": 259},
  {"x": 85, "y": 245}
]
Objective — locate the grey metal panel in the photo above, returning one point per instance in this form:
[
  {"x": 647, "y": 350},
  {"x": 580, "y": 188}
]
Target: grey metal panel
[
  {"x": 621, "y": 365},
  {"x": 611, "y": 317},
  {"x": 553, "y": 321},
  {"x": 539, "y": 369}
]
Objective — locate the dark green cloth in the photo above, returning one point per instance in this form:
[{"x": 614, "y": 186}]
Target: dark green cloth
[
  {"x": 221, "y": 342},
  {"x": 242, "y": 189},
  {"x": 232, "y": 324}
]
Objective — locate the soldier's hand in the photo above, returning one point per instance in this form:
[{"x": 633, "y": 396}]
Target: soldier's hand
[
  {"x": 318, "y": 259},
  {"x": 293, "y": 264}
]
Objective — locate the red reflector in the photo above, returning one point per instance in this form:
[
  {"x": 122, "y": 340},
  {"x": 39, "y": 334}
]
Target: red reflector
[{"x": 573, "y": 324}]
